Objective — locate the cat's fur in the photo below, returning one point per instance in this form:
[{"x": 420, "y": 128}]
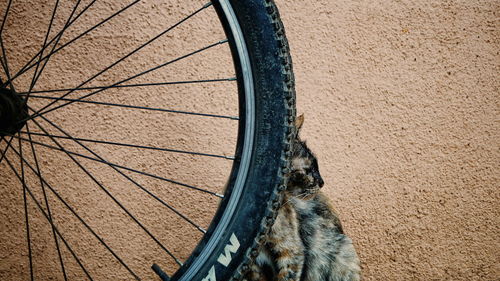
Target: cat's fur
[{"x": 306, "y": 242}]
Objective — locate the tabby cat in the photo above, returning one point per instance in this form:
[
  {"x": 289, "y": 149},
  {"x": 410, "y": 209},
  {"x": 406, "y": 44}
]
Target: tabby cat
[{"x": 306, "y": 242}]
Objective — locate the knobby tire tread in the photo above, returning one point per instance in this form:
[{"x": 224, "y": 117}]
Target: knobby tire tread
[{"x": 289, "y": 88}]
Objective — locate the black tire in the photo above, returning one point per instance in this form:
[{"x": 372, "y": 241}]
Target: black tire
[
  {"x": 274, "y": 115},
  {"x": 266, "y": 115}
]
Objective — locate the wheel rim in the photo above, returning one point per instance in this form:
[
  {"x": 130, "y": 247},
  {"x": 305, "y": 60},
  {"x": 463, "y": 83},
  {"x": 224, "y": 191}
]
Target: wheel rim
[
  {"x": 248, "y": 117},
  {"x": 61, "y": 136}
]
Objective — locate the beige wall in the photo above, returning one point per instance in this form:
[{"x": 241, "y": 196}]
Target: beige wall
[
  {"x": 401, "y": 103},
  {"x": 401, "y": 100}
]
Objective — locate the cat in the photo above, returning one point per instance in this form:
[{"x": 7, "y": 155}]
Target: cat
[{"x": 306, "y": 241}]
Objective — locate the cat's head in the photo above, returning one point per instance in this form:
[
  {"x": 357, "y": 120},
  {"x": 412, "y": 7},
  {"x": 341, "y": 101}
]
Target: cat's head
[{"x": 304, "y": 177}]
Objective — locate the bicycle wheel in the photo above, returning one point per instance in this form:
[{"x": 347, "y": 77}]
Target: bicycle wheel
[{"x": 102, "y": 170}]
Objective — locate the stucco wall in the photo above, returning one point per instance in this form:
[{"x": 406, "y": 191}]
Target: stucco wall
[{"x": 401, "y": 100}]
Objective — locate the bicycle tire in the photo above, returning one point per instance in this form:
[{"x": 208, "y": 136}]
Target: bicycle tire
[
  {"x": 267, "y": 102},
  {"x": 273, "y": 83}
]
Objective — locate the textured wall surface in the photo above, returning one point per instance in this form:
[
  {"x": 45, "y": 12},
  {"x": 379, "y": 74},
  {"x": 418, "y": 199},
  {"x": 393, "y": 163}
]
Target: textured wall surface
[{"x": 401, "y": 100}]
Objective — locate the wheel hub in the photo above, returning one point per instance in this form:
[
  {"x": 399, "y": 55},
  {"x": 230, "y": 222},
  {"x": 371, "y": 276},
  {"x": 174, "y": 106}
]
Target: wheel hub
[{"x": 13, "y": 112}]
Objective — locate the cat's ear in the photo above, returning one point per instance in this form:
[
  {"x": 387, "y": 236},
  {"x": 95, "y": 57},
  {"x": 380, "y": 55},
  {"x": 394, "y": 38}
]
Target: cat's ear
[{"x": 299, "y": 121}]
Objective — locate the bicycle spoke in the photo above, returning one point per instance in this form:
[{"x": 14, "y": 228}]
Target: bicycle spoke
[
  {"x": 140, "y": 107},
  {"x": 131, "y": 145},
  {"x": 39, "y": 112},
  {"x": 97, "y": 78},
  {"x": 131, "y": 85},
  {"x": 126, "y": 168},
  {"x": 4, "y": 61},
  {"x": 37, "y": 74},
  {"x": 23, "y": 182},
  {"x": 138, "y": 185},
  {"x": 56, "y": 38},
  {"x": 110, "y": 195},
  {"x": 50, "y": 221},
  {"x": 5, "y": 65},
  {"x": 131, "y": 53},
  {"x": 33, "y": 152},
  {"x": 4, "y": 152},
  {"x": 26, "y": 67},
  {"x": 5, "y": 17},
  {"x": 82, "y": 221}
]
